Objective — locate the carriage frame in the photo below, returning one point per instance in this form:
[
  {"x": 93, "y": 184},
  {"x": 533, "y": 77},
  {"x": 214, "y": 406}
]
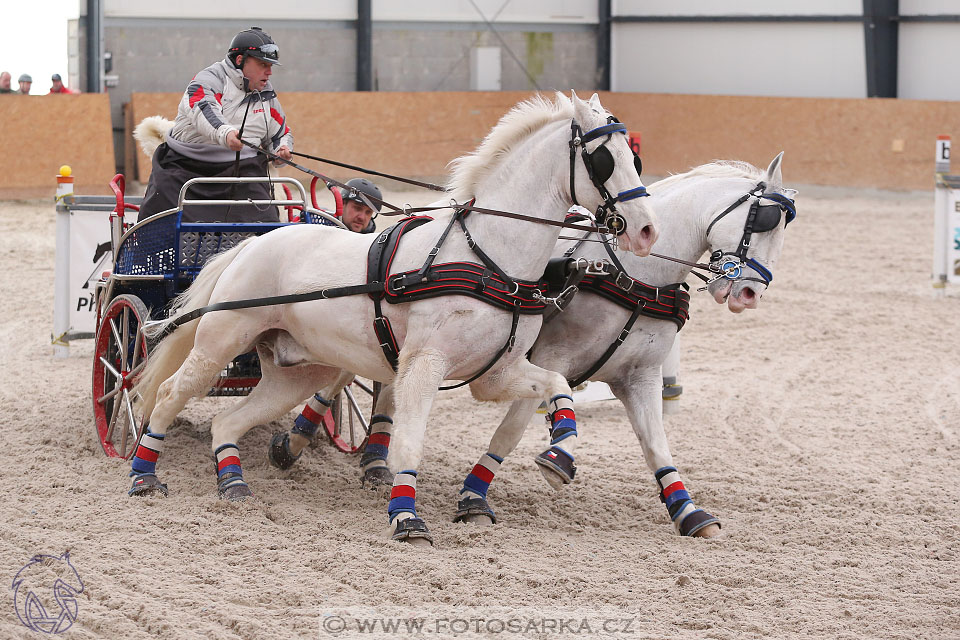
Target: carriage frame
[{"x": 157, "y": 259}]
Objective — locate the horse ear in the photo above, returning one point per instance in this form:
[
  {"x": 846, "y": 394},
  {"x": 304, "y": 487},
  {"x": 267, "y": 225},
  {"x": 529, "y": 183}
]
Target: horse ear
[
  {"x": 581, "y": 110},
  {"x": 774, "y": 176},
  {"x": 595, "y": 103}
]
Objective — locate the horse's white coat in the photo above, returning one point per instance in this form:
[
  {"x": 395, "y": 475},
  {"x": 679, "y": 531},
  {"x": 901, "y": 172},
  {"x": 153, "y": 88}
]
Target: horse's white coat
[
  {"x": 576, "y": 338},
  {"x": 523, "y": 165}
]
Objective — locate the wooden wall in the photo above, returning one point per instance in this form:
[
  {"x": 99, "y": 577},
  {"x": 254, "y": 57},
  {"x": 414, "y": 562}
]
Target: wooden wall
[
  {"x": 879, "y": 143},
  {"x": 38, "y": 134}
]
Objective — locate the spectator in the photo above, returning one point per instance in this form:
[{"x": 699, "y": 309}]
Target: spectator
[
  {"x": 25, "y": 82},
  {"x": 229, "y": 98},
  {"x": 58, "y": 86},
  {"x": 5, "y": 82}
]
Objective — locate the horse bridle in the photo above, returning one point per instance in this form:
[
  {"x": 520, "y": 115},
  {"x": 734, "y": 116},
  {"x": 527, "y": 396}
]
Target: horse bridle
[
  {"x": 600, "y": 166},
  {"x": 760, "y": 218}
]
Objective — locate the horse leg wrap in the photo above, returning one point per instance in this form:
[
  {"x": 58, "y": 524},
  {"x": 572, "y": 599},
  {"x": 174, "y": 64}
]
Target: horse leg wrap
[
  {"x": 308, "y": 421},
  {"x": 373, "y": 461},
  {"x": 402, "y": 507},
  {"x": 687, "y": 518},
  {"x": 143, "y": 468},
  {"x": 475, "y": 486},
  {"x": 563, "y": 420},
  {"x": 563, "y": 426},
  {"x": 230, "y": 484},
  {"x": 403, "y": 497}
]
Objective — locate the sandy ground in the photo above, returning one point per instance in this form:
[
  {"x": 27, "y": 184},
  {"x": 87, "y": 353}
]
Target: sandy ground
[{"x": 821, "y": 429}]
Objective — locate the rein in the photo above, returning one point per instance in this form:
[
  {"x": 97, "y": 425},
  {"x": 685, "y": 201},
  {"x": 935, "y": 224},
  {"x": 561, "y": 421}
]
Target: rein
[
  {"x": 407, "y": 211},
  {"x": 425, "y": 185}
]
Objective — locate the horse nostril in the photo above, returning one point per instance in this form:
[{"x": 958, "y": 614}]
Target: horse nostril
[
  {"x": 748, "y": 295},
  {"x": 647, "y": 233}
]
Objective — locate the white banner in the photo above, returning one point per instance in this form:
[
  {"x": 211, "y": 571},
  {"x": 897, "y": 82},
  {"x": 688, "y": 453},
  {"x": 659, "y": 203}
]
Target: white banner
[{"x": 90, "y": 256}]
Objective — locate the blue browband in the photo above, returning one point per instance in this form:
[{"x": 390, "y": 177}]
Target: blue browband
[
  {"x": 604, "y": 130},
  {"x": 630, "y": 194}
]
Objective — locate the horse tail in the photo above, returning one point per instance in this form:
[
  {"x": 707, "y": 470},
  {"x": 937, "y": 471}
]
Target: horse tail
[
  {"x": 172, "y": 351},
  {"x": 151, "y": 132}
]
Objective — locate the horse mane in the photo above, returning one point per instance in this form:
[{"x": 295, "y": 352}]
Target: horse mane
[
  {"x": 514, "y": 127},
  {"x": 716, "y": 169}
]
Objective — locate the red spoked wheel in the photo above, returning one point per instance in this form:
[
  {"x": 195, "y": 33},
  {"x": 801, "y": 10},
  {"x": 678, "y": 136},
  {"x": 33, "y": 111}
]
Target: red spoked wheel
[
  {"x": 347, "y": 423},
  {"x": 119, "y": 356}
]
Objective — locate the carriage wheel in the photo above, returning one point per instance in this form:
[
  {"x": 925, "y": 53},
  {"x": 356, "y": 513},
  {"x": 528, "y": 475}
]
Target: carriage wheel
[
  {"x": 347, "y": 423},
  {"x": 119, "y": 356}
]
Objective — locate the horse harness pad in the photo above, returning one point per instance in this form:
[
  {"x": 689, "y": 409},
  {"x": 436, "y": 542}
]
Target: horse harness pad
[
  {"x": 379, "y": 257},
  {"x": 486, "y": 282}
]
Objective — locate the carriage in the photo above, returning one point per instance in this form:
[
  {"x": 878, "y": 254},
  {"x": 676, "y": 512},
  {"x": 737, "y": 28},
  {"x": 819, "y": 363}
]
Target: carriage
[{"x": 157, "y": 259}]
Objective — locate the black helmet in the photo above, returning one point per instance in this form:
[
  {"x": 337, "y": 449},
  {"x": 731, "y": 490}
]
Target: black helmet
[
  {"x": 253, "y": 42},
  {"x": 364, "y": 186}
]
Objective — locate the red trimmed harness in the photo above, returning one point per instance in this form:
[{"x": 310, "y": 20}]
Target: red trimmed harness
[{"x": 486, "y": 282}]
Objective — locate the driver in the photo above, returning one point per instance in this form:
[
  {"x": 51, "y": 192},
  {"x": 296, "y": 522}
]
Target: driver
[{"x": 229, "y": 99}]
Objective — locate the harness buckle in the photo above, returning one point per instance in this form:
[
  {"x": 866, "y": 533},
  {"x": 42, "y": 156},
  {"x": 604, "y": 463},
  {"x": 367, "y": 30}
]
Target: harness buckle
[
  {"x": 623, "y": 281},
  {"x": 383, "y": 238},
  {"x": 623, "y": 335},
  {"x": 395, "y": 285},
  {"x": 433, "y": 252}
]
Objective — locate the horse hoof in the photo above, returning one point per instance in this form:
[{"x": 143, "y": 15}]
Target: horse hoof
[
  {"x": 147, "y": 484},
  {"x": 474, "y": 511},
  {"x": 557, "y": 467},
  {"x": 700, "y": 524},
  {"x": 376, "y": 478},
  {"x": 236, "y": 493},
  {"x": 709, "y": 531},
  {"x": 413, "y": 531},
  {"x": 279, "y": 452}
]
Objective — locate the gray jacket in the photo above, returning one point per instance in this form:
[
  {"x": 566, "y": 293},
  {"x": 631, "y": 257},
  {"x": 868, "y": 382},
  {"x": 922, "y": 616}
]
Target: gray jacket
[{"x": 214, "y": 104}]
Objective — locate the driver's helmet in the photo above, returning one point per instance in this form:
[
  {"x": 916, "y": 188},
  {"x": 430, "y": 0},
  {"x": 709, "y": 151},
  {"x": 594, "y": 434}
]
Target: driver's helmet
[
  {"x": 255, "y": 43},
  {"x": 364, "y": 186}
]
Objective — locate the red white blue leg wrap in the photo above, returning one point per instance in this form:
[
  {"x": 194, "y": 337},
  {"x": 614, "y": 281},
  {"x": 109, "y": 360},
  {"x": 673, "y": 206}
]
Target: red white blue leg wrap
[
  {"x": 403, "y": 497},
  {"x": 148, "y": 451},
  {"x": 229, "y": 473},
  {"x": 563, "y": 420},
  {"x": 687, "y": 518},
  {"x": 309, "y": 419},
  {"x": 378, "y": 444},
  {"x": 478, "y": 481}
]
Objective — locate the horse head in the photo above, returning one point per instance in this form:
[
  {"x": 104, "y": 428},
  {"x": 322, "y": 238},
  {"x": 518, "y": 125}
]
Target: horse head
[
  {"x": 745, "y": 241},
  {"x": 605, "y": 176}
]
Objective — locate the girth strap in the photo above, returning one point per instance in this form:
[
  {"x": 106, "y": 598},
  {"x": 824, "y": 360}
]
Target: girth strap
[
  {"x": 507, "y": 347},
  {"x": 637, "y": 311},
  {"x": 678, "y": 311}
]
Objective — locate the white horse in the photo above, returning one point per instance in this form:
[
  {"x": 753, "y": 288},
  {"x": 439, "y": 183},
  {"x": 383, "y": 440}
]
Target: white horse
[
  {"x": 523, "y": 165},
  {"x": 719, "y": 207}
]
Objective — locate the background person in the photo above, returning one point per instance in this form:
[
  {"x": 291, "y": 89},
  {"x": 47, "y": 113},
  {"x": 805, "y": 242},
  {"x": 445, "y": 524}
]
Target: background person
[
  {"x": 5, "y": 82},
  {"x": 232, "y": 94},
  {"x": 357, "y": 215},
  {"x": 58, "y": 86},
  {"x": 25, "y": 82}
]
